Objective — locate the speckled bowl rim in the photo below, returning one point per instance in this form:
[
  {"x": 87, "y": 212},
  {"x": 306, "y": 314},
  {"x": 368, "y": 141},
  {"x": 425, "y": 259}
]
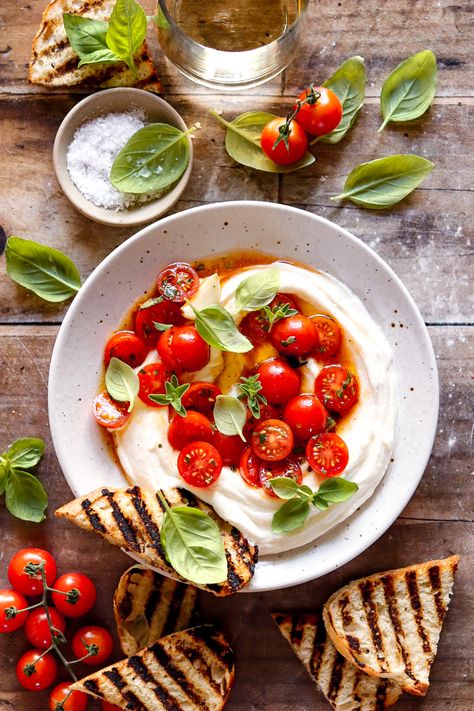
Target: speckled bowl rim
[{"x": 95, "y": 105}]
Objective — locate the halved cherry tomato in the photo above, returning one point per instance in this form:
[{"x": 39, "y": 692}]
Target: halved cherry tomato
[
  {"x": 62, "y": 699},
  {"x": 152, "y": 379},
  {"x": 108, "y": 412},
  {"x": 31, "y": 585},
  {"x": 255, "y": 325},
  {"x": 249, "y": 468},
  {"x": 272, "y": 440},
  {"x": 327, "y": 454},
  {"x": 286, "y": 151},
  {"x": 200, "y": 464},
  {"x": 12, "y": 598},
  {"x": 178, "y": 282},
  {"x": 76, "y": 594},
  {"x": 145, "y": 318},
  {"x": 126, "y": 346},
  {"x": 294, "y": 336},
  {"x": 182, "y": 348},
  {"x": 289, "y": 468},
  {"x": 230, "y": 447},
  {"x": 337, "y": 388},
  {"x": 321, "y": 116},
  {"x": 329, "y": 334},
  {"x": 194, "y": 426},
  {"x": 201, "y": 396},
  {"x": 35, "y": 673},
  {"x": 305, "y": 415},
  {"x": 37, "y": 629},
  {"x": 279, "y": 381},
  {"x": 93, "y": 636}
]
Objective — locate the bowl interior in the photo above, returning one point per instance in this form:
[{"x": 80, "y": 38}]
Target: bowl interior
[
  {"x": 100, "y": 104},
  {"x": 286, "y": 233}
]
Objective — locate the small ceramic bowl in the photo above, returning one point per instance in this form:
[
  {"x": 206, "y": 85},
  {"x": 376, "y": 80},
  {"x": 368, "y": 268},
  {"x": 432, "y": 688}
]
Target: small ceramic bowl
[{"x": 112, "y": 101}]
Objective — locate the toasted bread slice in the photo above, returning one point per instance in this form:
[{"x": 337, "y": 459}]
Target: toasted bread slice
[
  {"x": 131, "y": 518},
  {"x": 344, "y": 685},
  {"x": 190, "y": 670},
  {"x": 54, "y": 63},
  {"x": 148, "y": 606},
  {"x": 389, "y": 624}
]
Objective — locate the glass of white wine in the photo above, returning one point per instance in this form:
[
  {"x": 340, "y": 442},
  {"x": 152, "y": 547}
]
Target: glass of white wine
[{"x": 230, "y": 44}]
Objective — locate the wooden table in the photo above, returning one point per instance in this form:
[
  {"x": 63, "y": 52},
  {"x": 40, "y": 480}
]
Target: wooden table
[{"x": 427, "y": 240}]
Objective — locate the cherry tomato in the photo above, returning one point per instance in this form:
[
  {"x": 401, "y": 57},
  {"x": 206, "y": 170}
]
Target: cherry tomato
[
  {"x": 286, "y": 151},
  {"x": 36, "y": 674},
  {"x": 272, "y": 440},
  {"x": 327, "y": 454},
  {"x": 294, "y": 336},
  {"x": 182, "y": 348},
  {"x": 163, "y": 312},
  {"x": 256, "y": 326},
  {"x": 201, "y": 396},
  {"x": 279, "y": 381},
  {"x": 288, "y": 468},
  {"x": 88, "y": 638},
  {"x": 194, "y": 426},
  {"x": 76, "y": 700},
  {"x": 249, "y": 468},
  {"x": 37, "y": 628},
  {"x": 178, "y": 282},
  {"x": 329, "y": 336},
  {"x": 337, "y": 388},
  {"x": 80, "y": 597},
  {"x": 321, "y": 116},
  {"x": 126, "y": 346},
  {"x": 230, "y": 447},
  {"x": 12, "y": 598},
  {"x": 31, "y": 585},
  {"x": 305, "y": 415},
  {"x": 108, "y": 412},
  {"x": 200, "y": 464},
  {"x": 152, "y": 379}
]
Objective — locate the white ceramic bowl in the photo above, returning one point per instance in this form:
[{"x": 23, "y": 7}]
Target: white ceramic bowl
[{"x": 284, "y": 232}]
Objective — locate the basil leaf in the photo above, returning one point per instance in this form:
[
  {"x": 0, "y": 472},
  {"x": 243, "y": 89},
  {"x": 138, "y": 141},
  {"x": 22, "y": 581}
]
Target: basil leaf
[
  {"x": 290, "y": 516},
  {"x": 335, "y": 490},
  {"x": 242, "y": 142},
  {"x": 4, "y": 471},
  {"x": 217, "y": 327},
  {"x": 44, "y": 270},
  {"x": 102, "y": 56},
  {"x": 409, "y": 90},
  {"x": 127, "y": 30},
  {"x": 25, "y": 453},
  {"x": 230, "y": 415},
  {"x": 193, "y": 545},
  {"x": 155, "y": 157},
  {"x": 283, "y": 487},
  {"x": 85, "y": 35},
  {"x": 257, "y": 290},
  {"x": 25, "y": 496},
  {"x": 348, "y": 83},
  {"x": 122, "y": 382},
  {"x": 385, "y": 181},
  {"x": 320, "y": 503}
]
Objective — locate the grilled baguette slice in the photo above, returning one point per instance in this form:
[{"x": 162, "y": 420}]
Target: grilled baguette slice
[
  {"x": 131, "y": 518},
  {"x": 344, "y": 685},
  {"x": 389, "y": 624},
  {"x": 148, "y": 606},
  {"x": 54, "y": 63},
  {"x": 190, "y": 670}
]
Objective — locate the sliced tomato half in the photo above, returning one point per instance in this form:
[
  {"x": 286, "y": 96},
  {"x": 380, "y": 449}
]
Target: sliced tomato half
[
  {"x": 327, "y": 454},
  {"x": 337, "y": 388},
  {"x": 108, "y": 412},
  {"x": 199, "y": 464},
  {"x": 272, "y": 440},
  {"x": 288, "y": 468},
  {"x": 178, "y": 282}
]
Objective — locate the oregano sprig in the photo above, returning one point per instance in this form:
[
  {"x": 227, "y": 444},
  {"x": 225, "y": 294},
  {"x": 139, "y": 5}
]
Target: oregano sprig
[
  {"x": 172, "y": 395},
  {"x": 250, "y": 388},
  {"x": 278, "y": 312}
]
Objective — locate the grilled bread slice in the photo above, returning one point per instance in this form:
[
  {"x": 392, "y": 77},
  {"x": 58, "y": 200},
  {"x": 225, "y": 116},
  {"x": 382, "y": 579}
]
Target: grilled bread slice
[
  {"x": 190, "y": 670},
  {"x": 389, "y": 624},
  {"x": 54, "y": 63},
  {"x": 148, "y": 606},
  {"x": 344, "y": 685},
  {"x": 131, "y": 518}
]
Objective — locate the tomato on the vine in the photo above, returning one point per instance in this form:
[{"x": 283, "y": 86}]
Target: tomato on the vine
[
  {"x": 230, "y": 447},
  {"x": 96, "y": 639},
  {"x": 126, "y": 346},
  {"x": 74, "y": 594},
  {"x": 249, "y": 468},
  {"x": 201, "y": 396},
  {"x": 178, "y": 282},
  {"x": 321, "y": 111},
  {"x": 12, "y": 598},
  {"x": 108, "y": 412},
  {"x": 162, "y": 312},
  {"x": 36, "y": 672},
  {"x": 288, "y": 468},
  {"x": 272, "y": 440},
  {"x": 279, "y": 381},
  {"x": 194, "y": 426},
  {"x": 21, "y": 570},
  {"x": 337, "y": 388},
  {"x": 327, "y": 454},
  {"x": 305, "y": 415},
  {"x": 329, "y": 336},
  {"x": 37, "y": 628},
  {"x": 294, "y": 336},
  {"x": 200, "y": 464},
  {"x": 152, "y": 378},
  {"x": 62, "y": 699},
  {"x": 284, "y": 143},
  {"x": 182, "y": 348}
]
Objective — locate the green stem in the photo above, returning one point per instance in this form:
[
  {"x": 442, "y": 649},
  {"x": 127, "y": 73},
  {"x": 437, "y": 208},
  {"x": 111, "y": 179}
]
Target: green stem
[
  {"x": 163, "y": 500},
  {"x": 54, "y": 644},
  {"x": 384, "y": 123}
]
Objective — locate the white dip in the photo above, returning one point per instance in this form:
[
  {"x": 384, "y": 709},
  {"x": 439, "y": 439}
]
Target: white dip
[{"x": 368, "y": 430}]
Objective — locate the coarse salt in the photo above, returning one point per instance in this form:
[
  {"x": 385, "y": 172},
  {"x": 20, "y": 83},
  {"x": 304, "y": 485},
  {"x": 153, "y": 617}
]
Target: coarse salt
[{"x": 92, "y": 152}]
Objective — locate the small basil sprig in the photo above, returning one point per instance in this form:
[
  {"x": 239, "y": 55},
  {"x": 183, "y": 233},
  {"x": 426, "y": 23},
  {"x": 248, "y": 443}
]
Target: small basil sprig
[
  {"x": 172, "y": 395},
  {"x": 257, "y": 290},
  {"x": 348, "y": 83},
  {"x": 25, "y": 496},
  {"x": 122, "y": 382},
  {"x": 410, "y": 89},
  {"x": 230, "y": 415},
  {"x": 294, "y": 512},
  {"x": 193, "y": 544},
  {"x": 46, "y": 271},
  {"x": 250, "y": 388},
  {"x": 217, "y": 327},
  {"x": 277, "y": 313}
]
